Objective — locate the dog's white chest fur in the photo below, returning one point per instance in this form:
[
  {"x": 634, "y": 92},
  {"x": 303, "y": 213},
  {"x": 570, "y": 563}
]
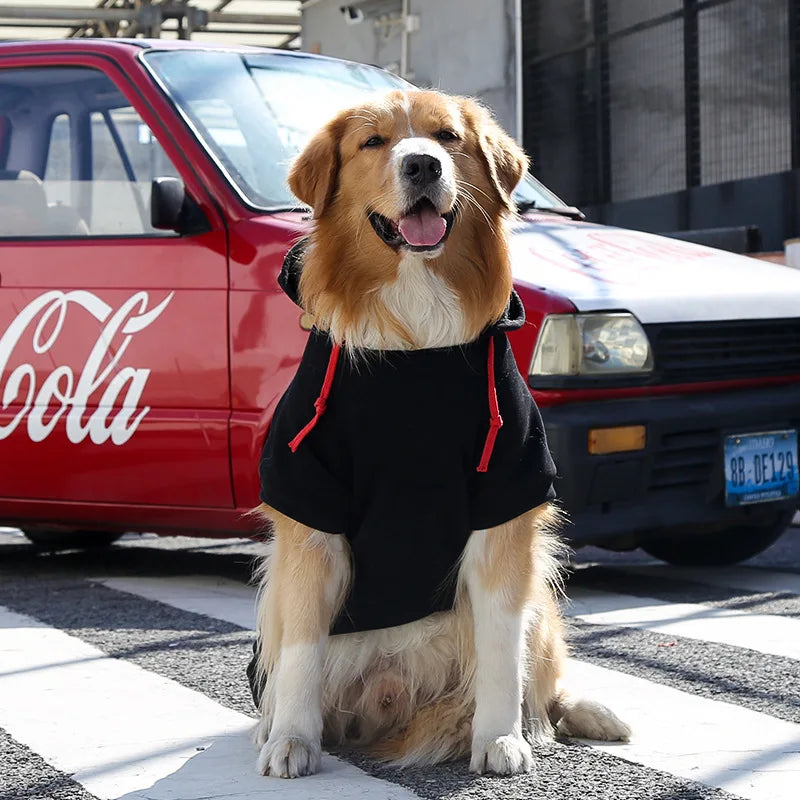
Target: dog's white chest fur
[{"x": 423, "y": 303}]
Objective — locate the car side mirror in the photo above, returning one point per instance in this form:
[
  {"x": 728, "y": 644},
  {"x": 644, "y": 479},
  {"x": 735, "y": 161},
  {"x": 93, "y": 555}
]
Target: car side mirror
[{"x": 171, "y": 209}]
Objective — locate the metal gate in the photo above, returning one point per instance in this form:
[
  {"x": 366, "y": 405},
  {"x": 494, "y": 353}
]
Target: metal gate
[{"x": 632, "y": 99}]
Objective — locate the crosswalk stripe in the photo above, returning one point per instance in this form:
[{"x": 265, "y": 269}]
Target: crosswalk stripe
[
  {"x": 720, "y": 731},
  {"x": 744, "y": 752},
  {"x": 220, "y": 598},
  {"x": 125, "y": 733},
  {"x": 751, "y": 578},
  {"x": 25, "y": 774},
  {"x": 765, "y": 633},
  {"x": 231, "y": 601}
]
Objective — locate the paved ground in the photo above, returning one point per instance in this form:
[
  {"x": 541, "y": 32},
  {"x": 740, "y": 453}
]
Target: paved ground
[{"x": 122, "y": 676}]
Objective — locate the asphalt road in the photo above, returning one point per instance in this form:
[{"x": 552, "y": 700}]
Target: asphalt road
[{"x": 122, "y": 676}]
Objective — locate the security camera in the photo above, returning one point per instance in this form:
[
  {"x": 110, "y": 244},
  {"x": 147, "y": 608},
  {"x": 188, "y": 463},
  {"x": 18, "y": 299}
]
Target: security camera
[{"x": 352, "y": 15}]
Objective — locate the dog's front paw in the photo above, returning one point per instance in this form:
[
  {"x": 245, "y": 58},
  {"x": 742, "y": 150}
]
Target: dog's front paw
[
  {"x": 289, "y": 757},
  {"x": 505, "y": 755}
]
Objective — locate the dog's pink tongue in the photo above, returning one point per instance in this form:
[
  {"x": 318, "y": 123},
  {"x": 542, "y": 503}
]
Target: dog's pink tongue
[{"x": 423, "y": 228}]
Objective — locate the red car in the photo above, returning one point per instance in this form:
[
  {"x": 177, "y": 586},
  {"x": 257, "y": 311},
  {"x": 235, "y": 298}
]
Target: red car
[{"x": 144, "y": 216}]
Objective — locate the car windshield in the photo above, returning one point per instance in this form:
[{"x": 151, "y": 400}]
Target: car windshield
[
  {"x": 532, "y": 194},
  {"x": 255, "y": 112}
]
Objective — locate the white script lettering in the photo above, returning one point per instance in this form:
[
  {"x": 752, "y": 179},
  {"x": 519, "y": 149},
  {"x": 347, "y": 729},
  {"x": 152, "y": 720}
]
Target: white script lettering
[{"x": 72, "y": 395}]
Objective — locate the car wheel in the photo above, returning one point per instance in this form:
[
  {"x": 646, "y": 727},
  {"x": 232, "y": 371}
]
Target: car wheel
[
  {"x": 60, "y": 539},
  {"x": 721, "y": 548}
]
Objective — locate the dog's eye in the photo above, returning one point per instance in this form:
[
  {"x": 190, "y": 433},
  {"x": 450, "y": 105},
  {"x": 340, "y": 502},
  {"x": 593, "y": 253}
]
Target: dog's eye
[
  {"x": 446, "y": 135},
  {"x": 374, "y": 141}
]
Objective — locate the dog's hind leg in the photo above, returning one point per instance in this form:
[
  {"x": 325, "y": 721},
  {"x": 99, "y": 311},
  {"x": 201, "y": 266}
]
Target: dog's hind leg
[
  {"x": 306, "y": 579},
  {"x": 587, "y": 719},
  {"x": 499, "y": 572}
]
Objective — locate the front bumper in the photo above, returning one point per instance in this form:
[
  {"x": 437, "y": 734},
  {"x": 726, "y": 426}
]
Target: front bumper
[{"x": 677, "y": 483}]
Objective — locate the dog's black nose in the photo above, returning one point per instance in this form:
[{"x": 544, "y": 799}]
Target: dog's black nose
[{"x": 421, "y": 170}]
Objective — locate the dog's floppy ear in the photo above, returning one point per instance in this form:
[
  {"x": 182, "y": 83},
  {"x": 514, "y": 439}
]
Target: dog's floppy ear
[
  {"x": 312, "y": 177},
  {"x": 505, "y": 161}
]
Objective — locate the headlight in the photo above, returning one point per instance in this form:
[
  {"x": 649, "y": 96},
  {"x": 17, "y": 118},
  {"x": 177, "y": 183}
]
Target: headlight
[{"x": 591, "y": 345}]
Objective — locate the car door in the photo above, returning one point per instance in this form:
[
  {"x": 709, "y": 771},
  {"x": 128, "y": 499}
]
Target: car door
[{"x": 113, "y": 359}]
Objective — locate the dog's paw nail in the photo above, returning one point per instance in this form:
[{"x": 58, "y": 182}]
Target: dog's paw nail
[
  {"x": 289, "y": 757},
  {"x": 505, "y": 755}
]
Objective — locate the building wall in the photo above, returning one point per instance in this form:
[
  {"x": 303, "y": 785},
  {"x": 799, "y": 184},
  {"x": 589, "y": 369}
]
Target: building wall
[{"x": 462, "y": 46}]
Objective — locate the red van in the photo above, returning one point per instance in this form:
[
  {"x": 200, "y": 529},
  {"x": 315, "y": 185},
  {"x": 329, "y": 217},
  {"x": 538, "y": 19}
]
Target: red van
[{"x": 144, "y": 216}]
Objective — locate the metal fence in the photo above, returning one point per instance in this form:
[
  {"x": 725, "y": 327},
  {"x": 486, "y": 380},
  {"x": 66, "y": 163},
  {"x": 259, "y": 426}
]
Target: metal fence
[{"x": 627, "y": 99}]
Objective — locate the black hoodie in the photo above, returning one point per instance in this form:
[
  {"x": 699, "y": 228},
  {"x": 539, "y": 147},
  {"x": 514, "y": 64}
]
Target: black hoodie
[{"x": 392, "y": 461}]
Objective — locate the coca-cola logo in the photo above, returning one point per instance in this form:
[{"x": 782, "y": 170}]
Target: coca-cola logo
[{"x": 116, "y": 412}]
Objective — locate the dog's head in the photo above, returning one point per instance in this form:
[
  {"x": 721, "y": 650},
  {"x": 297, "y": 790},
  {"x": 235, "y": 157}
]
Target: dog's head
[{"x": 411, "y": 172}]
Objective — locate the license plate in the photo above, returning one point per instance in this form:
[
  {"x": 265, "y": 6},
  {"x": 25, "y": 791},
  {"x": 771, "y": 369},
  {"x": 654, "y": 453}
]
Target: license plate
[{"x": 760, "y": 467}]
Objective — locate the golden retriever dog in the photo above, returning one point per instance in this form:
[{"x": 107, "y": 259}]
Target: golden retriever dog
[{"x": 408, "y": 599}]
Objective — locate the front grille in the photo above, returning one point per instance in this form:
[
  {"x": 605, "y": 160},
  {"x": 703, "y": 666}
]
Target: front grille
[
  {"x": 686, "y": 458},
  {"x": 707, "y": 351}
]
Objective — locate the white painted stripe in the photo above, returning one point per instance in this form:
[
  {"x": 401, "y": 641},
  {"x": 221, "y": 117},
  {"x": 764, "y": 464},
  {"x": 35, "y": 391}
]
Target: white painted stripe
[
  {"x": 719, "y": 744},
  {"x": 765, "y": 633},
  {"x": 753, "y": 579},
  {"x": 219, "y": 598},
  {"x": 234, "y": 602},
  {"x": 744, "y": 752},
  {"x": 124, "y": 732}
]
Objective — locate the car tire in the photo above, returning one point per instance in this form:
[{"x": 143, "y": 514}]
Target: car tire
[
  {"x": 60, "y": 539},
  {"x": 721, "y": 548}
]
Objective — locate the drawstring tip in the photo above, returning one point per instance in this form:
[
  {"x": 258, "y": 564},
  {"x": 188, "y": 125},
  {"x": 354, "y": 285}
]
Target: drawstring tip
[
  {"x": 321, "y": 403},
  {"x": 495, "y": 420}
]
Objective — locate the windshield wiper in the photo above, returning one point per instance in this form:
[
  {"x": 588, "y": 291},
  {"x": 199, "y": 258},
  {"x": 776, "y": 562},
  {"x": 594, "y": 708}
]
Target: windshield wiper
[{"x": 562, "y": 211}]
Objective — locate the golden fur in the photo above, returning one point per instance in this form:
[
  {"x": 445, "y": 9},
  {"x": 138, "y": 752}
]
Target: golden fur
[
  {"x": 475, "y": 262},
  {"x": 410, "y": 694}
]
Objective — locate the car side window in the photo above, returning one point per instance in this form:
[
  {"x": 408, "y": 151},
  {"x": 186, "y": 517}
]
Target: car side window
[{"x": 79, "y": 159}]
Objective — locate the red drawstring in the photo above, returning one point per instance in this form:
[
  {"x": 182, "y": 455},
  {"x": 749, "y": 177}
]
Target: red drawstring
[
  {"x": 495, "y": 420},
  {"x": 322, "y": 401}
]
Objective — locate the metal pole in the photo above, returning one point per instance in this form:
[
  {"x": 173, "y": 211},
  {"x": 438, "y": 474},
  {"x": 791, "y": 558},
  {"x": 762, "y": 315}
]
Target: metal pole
[
  {"x": 80, "y": 15},
  {"x": 691, "y": 92},
  {"x": 404, "y": 41},
  {"x": 518, "y": 70},
  {"x": 794, "y": 79},
  {"x": 253, "y": 19},
  {"x": 602, "y": 89},
  {"x": 69, "y": 13},
  {"x": 691, "y": 108}
]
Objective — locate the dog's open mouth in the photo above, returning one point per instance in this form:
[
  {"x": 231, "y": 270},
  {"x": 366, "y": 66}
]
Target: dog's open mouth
[{"x": 421, "y": 228}]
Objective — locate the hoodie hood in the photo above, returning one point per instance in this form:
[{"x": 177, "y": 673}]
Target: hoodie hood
[
  {"x": 289, "y": 277},
  {"x": 513, "y": 316}
]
